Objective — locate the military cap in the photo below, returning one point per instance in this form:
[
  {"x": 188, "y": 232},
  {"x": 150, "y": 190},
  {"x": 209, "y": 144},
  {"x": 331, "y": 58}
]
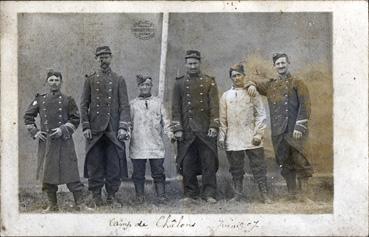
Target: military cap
[
  {"x": 279, "y": 55},
  {"x": 142, "y": 78},
  {"x": 102, "y": 50},
  {"x": 193, "y": 54},
  {"x": 51, "y": 72},
  {"x": 236, "y": 67}
]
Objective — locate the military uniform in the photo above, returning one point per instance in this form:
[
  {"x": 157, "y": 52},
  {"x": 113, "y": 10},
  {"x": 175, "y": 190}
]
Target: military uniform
[
  {"x": 195, "y": 109},
  {"x": 289, "y": 106},
  {"x": 104, "y": 110},
  {"x": 57, "y": 159}
]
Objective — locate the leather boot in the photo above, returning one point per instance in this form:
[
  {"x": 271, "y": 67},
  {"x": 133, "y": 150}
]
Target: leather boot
[
  {"x": 303, "y": 187},
  {"x": 80, "y": 204},
  {"x": 160, "y": 192},
  {"x": 52, "y": 205},
  {"x": 291, "y": 187},
  {"x": 96, "y": 197},
  {"x": 237, "y": 189},
  {"x": 264, "y": 193},
  {"x": 112, "y": 201},
  {"x": 140, "y": 193}
]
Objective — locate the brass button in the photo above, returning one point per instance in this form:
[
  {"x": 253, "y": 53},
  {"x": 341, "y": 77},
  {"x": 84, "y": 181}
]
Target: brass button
[
  {"x": 201, "y": 85},
  {"x": 60, "y": 109},
  {"x": 108, "y": 113},
  {"x": 97, "y": 89},
  {"x": 97, "y": 112},
  {"x": 201, "y": 101},
  {"x": 201, "y": 93},
  {"x": 109, "y": 97},
  {"x": 60, "y": 116},
  {"x": 59, "y": 122},
  {"x": 187, "y": 87},
  {"x": 97, "y": 105},
  {"x": 98, "y": 82},
  {"x": 98, "y": 98},
  {"x": 60, "y": 97},
  {"x": 189, "y": 103},
  {"x": 201, "y": 109},
  {"x": 200, "y": 78},
  {"x": 188, "y": 94},
  {"x": 59, "y": 102},
  {"x": 110, "y": 82}
]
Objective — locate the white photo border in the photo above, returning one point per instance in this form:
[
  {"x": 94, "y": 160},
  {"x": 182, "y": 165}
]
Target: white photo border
[{"x": 350, "y": 82}]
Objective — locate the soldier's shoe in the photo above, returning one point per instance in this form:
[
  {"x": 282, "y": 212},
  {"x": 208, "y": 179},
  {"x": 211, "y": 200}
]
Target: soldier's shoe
[
  {"x": 290, "y": 198},
  {"x": 51, "y": 208},
  {"x": 236, "y": 198},
  {"x": 80, "y": 204},
  {"x": 52, "y": 205},
  {"x": 113, "y": 202},
  {"x": 303, "y": 198},
  {"x": 210, "y": 200},
  {"x": 188, "y": 200},
  {"x": 140, "y": 199},
  {"x": 265, "y": 199}
]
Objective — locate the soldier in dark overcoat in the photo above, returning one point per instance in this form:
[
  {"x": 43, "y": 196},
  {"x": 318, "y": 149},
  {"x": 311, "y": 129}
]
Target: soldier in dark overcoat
[
  {"x": 57, "y": 159},
  {"x": 195, "y": 118},
  {"x": 105, "y": 121},
  {"x": 289, "y": 106}
]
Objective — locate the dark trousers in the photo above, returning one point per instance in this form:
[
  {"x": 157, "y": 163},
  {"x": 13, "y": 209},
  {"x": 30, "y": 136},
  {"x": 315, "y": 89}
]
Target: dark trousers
[
  {"x": 52, "y": 188},
  {"x": 199, "y": 154},
  {"x": 139, "y": 168},
  {"x": 294, "y": 163},
  {"x": 103, "y": 166},
  {"x": 236, "y": 160}
]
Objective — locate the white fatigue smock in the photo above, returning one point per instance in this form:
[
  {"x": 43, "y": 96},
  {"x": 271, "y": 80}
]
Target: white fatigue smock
[
  {"x": 242, "y": 118},
  {"x": 149, "y": 124}
]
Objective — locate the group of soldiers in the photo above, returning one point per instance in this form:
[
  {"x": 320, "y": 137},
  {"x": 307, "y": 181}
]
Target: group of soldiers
[{"x": 200, "y": 124}]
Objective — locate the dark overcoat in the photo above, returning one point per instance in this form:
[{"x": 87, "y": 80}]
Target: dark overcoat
[
  {"x": 195, "y": 109},
  {"x": 104, "y": 110},
  {"x": 57, "y": 159},
  {"x": 289, "y": 106}
]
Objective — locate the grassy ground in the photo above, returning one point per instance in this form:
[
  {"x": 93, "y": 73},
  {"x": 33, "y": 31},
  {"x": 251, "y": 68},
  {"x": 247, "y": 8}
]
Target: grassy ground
[{"x": 321, "y": 193}]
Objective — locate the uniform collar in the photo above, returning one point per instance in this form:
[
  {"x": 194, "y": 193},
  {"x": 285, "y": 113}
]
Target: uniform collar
[
  {"x": 194, "y": 76},
  {"x": 144, "y": 97},
  {"x": 288, "y": 75},
  {"x": 106, "y": 71},
  {"x": 58, "y": 93}
]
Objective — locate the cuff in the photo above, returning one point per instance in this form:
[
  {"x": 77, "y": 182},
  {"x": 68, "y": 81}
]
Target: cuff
[
  {"x": 258, "y": 136},
  {"x": 176, "y": 126},
  {"x": 32, "y": 129},
  {"x": 301, "y": 125},
  {"x": 85, "y": 125},
  {"x": 124, "y": 125},
  {"x": 249, "y": 83},
  {"x": 214, "y": 123}
]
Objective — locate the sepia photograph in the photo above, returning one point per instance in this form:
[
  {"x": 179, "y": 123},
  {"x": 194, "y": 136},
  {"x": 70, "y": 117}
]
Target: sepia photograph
[{"x": 206, "y": 119}]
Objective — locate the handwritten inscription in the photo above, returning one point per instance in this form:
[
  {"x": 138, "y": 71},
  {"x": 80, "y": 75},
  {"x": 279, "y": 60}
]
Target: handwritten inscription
[
  {"x": 243, "y": 226},
  {"x": 172, "y": 222}
]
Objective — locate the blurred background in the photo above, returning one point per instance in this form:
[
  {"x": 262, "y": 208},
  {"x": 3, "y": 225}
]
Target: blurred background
[{"x": 67, "y": 42}]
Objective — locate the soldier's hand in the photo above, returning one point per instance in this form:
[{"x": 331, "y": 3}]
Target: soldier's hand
[
  {"x": 178, "y": 135},
  {"x": 297, "y": 134},
  {"x": 87, "y": 133},
  {"x": 122, "y": 135},
  {"x": 212, "y": 132},
  {"x": 251, "y": 91},
  {"x": 41, "y": 136},
  {"x": 256, "y": 141},
  {"x": 221, "y": 144},
  {"x": 57, "y": 132}
]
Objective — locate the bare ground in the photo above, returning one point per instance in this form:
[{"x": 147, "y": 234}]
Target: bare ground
[{"x": 321, "y": 194}]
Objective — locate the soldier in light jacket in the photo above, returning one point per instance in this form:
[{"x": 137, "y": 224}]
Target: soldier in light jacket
[
  {"x": 149, "y": 123},
  {"x": 242, "y": 124}
]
